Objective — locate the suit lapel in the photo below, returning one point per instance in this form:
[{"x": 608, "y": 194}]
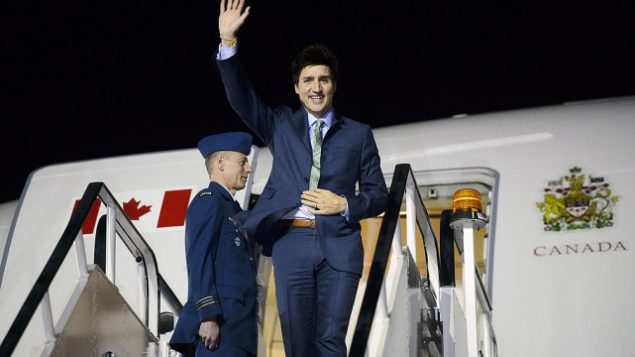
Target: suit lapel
[
  {"x": 300, "y": 125},
  {"x": 336, "y": 125}
]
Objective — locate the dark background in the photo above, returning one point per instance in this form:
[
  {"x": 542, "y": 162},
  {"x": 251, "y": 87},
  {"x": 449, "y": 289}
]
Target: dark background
[{"x": 91, "y": 79}]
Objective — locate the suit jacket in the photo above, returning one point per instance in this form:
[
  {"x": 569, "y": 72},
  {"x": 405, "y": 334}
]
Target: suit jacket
[
  {"x": 221, "y": 273},
  {"x": 349, "y": 157}
]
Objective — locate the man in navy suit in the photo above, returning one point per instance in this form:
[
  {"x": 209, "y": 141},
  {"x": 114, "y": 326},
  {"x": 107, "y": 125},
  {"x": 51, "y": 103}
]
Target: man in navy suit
[
  {"x": 308, "y": 214},
  {"x": 219, "y": 318}
]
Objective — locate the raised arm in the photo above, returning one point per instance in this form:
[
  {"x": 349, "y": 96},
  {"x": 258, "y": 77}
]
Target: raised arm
[{"x": 242, "y": 96}]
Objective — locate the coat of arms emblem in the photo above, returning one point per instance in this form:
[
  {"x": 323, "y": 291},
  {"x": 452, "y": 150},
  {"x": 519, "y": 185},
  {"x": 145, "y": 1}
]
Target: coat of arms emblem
[{"x": 576, "y": 201}]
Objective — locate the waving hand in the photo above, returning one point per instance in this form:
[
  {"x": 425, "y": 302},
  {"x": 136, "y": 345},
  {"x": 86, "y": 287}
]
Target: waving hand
[{"x": 231, "y": 18}]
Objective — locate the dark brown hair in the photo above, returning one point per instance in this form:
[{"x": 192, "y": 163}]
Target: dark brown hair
[{"x": 312, "y": 55}]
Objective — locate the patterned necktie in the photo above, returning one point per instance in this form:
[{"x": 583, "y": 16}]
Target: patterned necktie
[{"x": 316, "y": 140}]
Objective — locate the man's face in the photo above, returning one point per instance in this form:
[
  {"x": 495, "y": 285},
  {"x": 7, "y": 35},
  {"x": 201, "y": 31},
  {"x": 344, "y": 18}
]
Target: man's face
[
  {"x": 235, "y": 170},
  {"x": 316, "y": 88}
]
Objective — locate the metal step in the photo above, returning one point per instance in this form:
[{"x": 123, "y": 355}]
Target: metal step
[{"x": 102, "y": 323}]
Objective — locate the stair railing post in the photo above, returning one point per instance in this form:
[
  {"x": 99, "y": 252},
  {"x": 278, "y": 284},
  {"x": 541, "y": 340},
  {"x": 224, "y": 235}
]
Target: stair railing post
[
  {"x": 47, "y": 316},
  {"x": 411, "y": 220},
  {"x": 469, "y": 282},
  {"x": 487, "y": 336},
  {"x": 80, "y": 252},
  {"x": 467, "y": 217},
  {"x": 111, "y": 246},
  {"x": 395, "y": 251},
  {"x": 143, "y": 290},
  {"x": 396, "y": 248}
]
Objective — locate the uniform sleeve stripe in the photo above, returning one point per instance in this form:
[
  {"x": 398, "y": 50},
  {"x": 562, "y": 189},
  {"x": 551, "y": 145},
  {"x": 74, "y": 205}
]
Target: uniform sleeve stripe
[
  {"x": 199, "y": 307},
  {"x": 205, "y": 301}
]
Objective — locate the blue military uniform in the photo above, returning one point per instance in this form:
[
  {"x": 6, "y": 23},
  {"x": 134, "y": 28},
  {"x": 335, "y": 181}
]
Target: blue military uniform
[{"x": 221, "y": 273}]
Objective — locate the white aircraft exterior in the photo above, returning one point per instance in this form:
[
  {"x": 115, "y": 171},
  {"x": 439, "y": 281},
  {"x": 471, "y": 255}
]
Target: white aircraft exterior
[{"x": 558, "y": 257}]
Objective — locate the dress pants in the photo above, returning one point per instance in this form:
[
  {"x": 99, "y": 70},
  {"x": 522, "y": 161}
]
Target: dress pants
[{"x": 314, "y": 300}]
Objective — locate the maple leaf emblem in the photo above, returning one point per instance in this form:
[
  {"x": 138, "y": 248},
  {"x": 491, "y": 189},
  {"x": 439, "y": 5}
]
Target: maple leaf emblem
[{"x": 133, "y": 211}]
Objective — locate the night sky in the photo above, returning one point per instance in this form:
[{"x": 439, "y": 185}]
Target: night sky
[{"x": 90, "y": 79}]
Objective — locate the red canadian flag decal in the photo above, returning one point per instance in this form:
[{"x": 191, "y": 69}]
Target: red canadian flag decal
[
  {"x": 171, "y": 214},
  {"x": 173, "y": 208},
  {"x": 133, "y": 211}
]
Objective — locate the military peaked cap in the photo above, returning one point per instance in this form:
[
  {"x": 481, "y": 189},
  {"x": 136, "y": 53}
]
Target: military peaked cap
[{"x": 231, "y": 141}]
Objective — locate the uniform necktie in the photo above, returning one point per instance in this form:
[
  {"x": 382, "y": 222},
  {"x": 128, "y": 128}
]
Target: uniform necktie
[
  {"x": 316, "y": 140},
  {"x": 237, "y": 206}
]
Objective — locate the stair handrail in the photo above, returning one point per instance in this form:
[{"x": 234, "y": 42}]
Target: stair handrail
[
  {"x": 120, "y": 225},
  {"x": 99, "y": 259},
  {"x": 403, "y": 181},
  {"x": 439, "y": 264}
]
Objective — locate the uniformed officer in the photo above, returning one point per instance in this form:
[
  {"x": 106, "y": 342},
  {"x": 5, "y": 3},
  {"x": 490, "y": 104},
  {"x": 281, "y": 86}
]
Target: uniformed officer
[{"x": 219, "y": 318}]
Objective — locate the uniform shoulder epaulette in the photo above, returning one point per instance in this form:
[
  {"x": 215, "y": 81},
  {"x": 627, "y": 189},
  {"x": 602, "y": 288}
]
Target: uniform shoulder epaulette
[{"x": 205, "y": 193}]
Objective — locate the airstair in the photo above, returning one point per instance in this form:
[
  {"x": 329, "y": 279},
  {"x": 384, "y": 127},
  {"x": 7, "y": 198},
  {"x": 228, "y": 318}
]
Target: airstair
[
  {"x": 408, "y": 306},
  {"x": 406, "y": 313},
  {"x": 97, "y": 320}
]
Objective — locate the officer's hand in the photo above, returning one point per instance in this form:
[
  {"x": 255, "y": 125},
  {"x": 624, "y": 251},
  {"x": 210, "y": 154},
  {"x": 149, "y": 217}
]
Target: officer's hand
[
  {"x": 323, "y": 202},
  {"x": 231, "y": 18},
  {"x": 210, "y": 334}
]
